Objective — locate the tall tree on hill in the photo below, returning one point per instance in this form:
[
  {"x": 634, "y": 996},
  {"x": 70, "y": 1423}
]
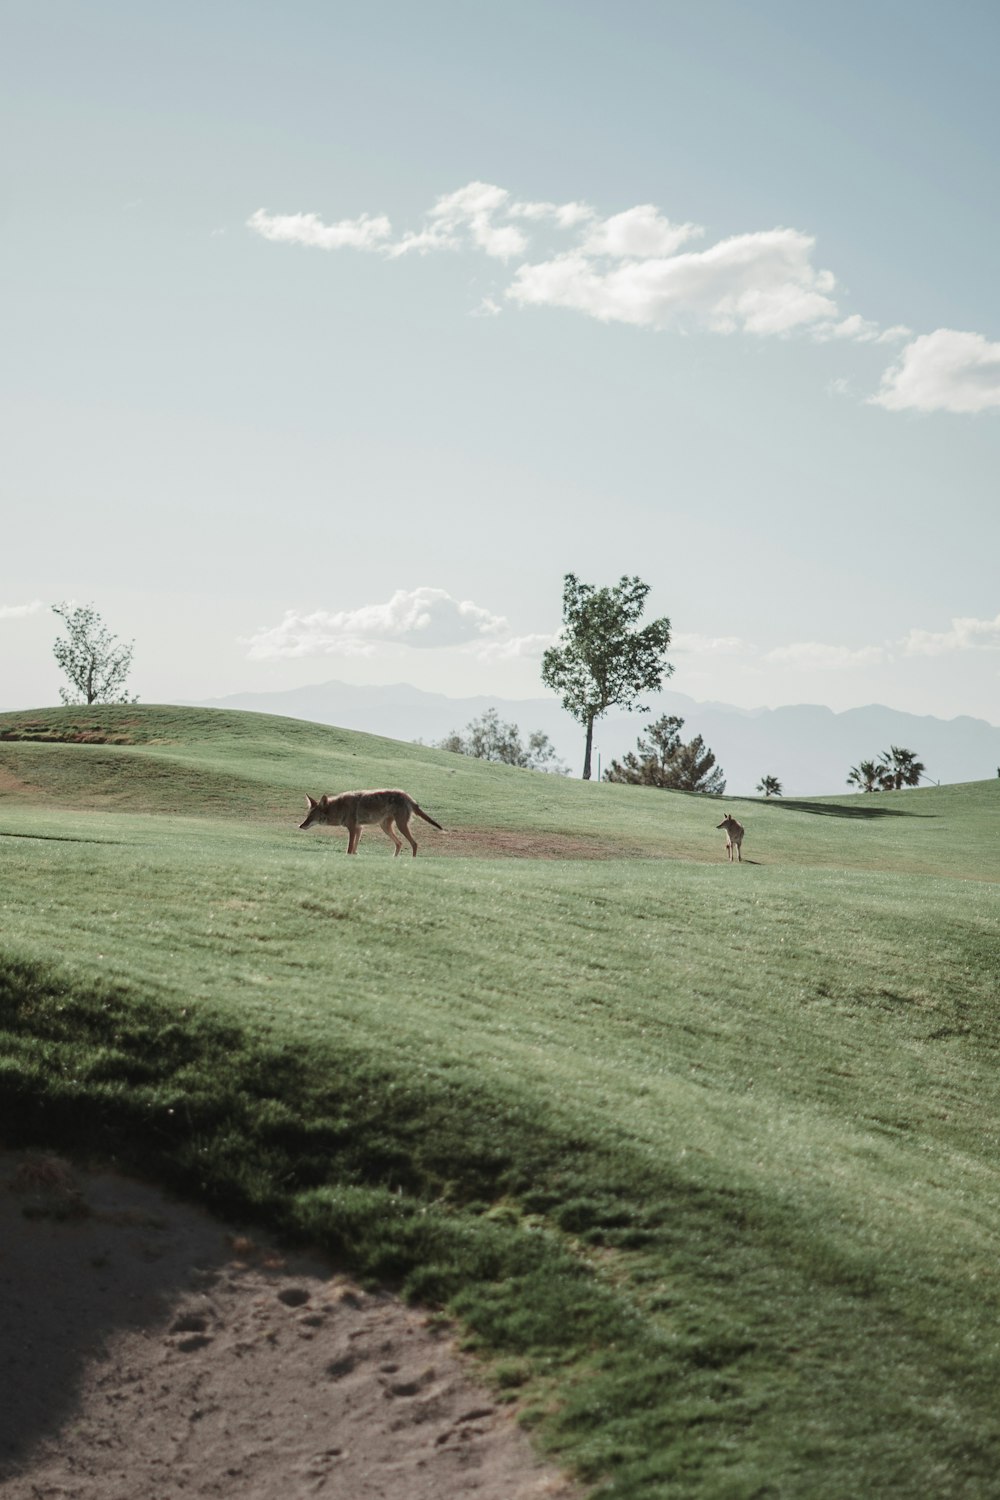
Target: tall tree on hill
[
  {"x": 662, "y": 759},
  {"x": 770, "y": 786},
  {"x": 95, "y": 661},
  {"x": 603, "y": 659}
]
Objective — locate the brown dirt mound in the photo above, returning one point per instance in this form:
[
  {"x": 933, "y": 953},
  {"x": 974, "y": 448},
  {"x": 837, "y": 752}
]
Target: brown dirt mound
[{"x": 146, "y": 1351}]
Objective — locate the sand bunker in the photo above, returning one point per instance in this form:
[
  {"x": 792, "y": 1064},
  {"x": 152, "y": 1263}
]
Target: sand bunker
[{"x": 147, "y": 1353}]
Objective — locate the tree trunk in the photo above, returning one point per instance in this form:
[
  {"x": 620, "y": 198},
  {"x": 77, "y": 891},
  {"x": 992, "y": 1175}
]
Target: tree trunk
[{"x": 589, "y": 750}]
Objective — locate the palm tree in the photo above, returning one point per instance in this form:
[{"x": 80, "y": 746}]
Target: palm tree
[
  {"x": 770, "y": 786},
  {"x": 899, "y": 768},
  {"x": 866, "y": 776}
]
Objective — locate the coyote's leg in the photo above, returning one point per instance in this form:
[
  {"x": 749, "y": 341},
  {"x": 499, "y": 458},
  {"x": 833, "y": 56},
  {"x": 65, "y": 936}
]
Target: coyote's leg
[
  {"x": 386, "y": 826},
  {"x": 353, "y": 835},
  {"x": 403, "y": 824}
]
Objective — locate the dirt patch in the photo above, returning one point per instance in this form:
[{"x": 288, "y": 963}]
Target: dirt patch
[
  {"x": 67, "y": 737},
  {"x": 148, "y": 1351},
  {"x": 13, "y": 786},
  {"x": 503, "y": 843},
  {"x": 84, "y": 728}
]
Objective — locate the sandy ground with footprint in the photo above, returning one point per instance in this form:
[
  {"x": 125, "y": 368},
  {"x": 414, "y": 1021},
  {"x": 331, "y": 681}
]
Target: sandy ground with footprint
[{"x": 148, "y": 1353}]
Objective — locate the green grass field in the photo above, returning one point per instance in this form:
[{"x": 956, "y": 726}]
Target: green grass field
[{"x": 704, "y": 1157}]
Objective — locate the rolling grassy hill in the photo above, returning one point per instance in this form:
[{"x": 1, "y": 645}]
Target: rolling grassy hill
[{"x": 703, "y": 1156}]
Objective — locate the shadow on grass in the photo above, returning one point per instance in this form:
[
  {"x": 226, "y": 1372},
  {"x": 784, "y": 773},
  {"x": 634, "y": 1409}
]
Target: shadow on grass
[
  {"x": 838, "y": 810},
  {"x": 57, "y": 838}
]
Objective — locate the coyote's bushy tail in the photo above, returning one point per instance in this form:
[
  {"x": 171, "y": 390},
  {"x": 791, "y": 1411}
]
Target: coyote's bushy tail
[{"x": 421, "y": 814}]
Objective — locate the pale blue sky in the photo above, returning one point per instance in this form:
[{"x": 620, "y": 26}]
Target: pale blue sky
[{"x": 281, "y": 451}]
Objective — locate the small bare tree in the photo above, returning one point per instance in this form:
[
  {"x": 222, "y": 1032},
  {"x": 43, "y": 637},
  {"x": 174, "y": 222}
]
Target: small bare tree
[{"x": 96, "y": 662}]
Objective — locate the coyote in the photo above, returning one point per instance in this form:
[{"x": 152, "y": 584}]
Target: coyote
[
  {"x": 734, "y": 836},
  {"x": 351, "y": 809}
]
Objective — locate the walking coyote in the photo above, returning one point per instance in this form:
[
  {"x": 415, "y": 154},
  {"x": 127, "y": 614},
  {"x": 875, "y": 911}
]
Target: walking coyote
[
  {"x": 352, "y": 809},
  {"x": 734, "y": 836}
]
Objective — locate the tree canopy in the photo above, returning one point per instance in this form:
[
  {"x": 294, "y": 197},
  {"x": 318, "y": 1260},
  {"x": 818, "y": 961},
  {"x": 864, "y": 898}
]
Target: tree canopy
[
  {"x": 603, "y": 658},
  {"x": 96, "y": 662},
  {"x": 662, "y": 759}
]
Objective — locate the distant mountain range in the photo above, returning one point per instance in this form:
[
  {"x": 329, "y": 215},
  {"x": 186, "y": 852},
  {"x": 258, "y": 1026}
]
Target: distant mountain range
[{"x": 808, "y": 747}]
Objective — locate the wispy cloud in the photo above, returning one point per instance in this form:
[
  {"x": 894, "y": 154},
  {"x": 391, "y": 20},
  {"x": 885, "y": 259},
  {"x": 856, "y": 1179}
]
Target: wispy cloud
[
  {"x": 710, "y": 645},
  {"x": 20, "y": 611},
  {"x": 471, "y": 211},
  {"x": 509, "y": 647},
  {"x": 638, "y": 267},
  {"x": 423, "y": 618},
  {"x": 365, "y": 233},
  {"x": 943, "y": 371},
  {"x": 966, "y": 634},
  {"x": 629, "y": 267},
  {"x": 819, "y": 655}
]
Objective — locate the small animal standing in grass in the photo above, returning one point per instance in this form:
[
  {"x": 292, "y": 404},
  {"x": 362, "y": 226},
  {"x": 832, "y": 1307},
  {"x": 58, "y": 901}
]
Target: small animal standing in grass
[
  {"x": 351, "y": 810},
  {"x": 734, "y": 836}
]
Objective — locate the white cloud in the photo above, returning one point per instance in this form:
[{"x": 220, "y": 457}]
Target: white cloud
[
  {"x": 639, "y": 232},
  {"x": 422, "y": 617},
  {"x": 855, "y": 327},
  {"x": 943, "y": 371},
  {"x": 473, "y": 208},
  {"x": 365, "y": 233},
  {"x": 966, "y": 634},
  {"x": 531, "y": 646},
  {"x": 566, "y": 215},
  {"x": 624, "y": 268},
  {"x": 816, "y": 655},
  {"x": 20, "y": 611},
  {"x": 631, "y": 268},
  {"x": 758, "y": 283},
  {"x": 894, "y": 334}
]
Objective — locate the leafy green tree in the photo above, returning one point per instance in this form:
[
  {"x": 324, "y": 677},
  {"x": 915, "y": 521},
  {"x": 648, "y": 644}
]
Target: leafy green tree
[
  {"x": 866, "y": 776},
  {"x": 899, "y": 768},
  {"x": 489, "y": 738},
  {"x": 770, "y": 786},
  {"x": 96, "y": 662},
  {"x": 603, "y": 658},
  {"x": 662, "y": 759}
]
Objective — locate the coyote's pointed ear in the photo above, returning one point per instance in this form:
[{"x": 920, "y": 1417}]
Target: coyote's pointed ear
[
  {"x": 323, "y": 800},
  {"x": 310, "y": 801}
]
